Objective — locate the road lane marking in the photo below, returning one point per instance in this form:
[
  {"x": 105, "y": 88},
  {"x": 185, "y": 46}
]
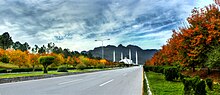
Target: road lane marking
[
  {"x": 69, "y": 81},
  {"x": 106, "y": 82}
]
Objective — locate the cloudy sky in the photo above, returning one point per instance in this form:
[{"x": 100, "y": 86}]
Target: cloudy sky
[{"x": 75, "y": 24}]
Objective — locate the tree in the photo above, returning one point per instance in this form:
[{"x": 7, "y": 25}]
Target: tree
[
  {"x": 18, "y": 57},
  {"x": 66, "y": 52},
  {"x": 59, "y": 59},
  {"x": 42, "y": 50},
  {"x": 189, "y": 46},
  {"x": 33, "y": 60},
  {"x": 213, "y": 58},
  {"x": 46, "y": 61},
  {"x": 35, "y": 49},
  {"x": 5, "y": 40},
  {"x": 50, "y": 47},
  {"x": 23, "y": 47},
  {"x": 57, "y": 50}
]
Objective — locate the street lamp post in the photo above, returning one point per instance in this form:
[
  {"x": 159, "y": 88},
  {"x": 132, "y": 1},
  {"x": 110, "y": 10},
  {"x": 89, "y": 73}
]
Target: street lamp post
[{"x": 102, "y": 46}]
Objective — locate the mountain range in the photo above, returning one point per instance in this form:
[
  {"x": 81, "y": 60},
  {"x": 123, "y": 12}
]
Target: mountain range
[{"x": 143, "y": 55}]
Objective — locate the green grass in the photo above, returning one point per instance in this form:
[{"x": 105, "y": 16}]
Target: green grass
[
  {"x": 12, "y": 75},
  {"x": 159, "y": 86},
  {"x": 8, "y": 65}
]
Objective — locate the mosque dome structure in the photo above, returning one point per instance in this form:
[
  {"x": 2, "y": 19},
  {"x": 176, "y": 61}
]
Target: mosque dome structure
[{"x": 126, "y": 61}]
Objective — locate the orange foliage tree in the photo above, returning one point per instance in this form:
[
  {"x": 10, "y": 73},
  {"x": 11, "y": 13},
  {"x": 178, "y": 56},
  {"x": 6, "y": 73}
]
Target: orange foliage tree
[
  {"x": 190, "y": 45},
  {"x": 33, "y": 60},
  {"x": 18, "y": 57}
]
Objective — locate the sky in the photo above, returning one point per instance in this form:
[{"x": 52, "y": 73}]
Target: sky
[{"x": 76, "y": 24}]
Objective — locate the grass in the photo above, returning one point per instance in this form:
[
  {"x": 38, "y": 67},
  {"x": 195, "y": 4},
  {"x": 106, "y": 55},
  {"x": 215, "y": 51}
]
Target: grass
[
  {"x": 159, "y": 86},
  {"x": 12, "y": 75},
  {"x": 8, "y": 65}
]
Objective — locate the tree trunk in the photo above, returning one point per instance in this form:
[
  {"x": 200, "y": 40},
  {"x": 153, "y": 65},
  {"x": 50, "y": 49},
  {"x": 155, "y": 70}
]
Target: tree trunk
[
  {"x": 209, "y": 71},
  {"x": 45, "y": 69},
  {"x": 193, "y": 68},
  {"x": 33, "y": 67}
]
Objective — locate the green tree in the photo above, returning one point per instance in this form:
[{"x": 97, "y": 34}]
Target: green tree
[
  {"x": 46, "y": 61},
  {"x": 42, "y": 50},
  {"x": 5, "y": 40},
  {"x": 23, "y": 47},
  {"x": 213, "y": 58}
]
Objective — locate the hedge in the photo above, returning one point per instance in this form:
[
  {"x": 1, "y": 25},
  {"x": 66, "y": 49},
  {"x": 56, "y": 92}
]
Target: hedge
[
  {"x": 194, "y": 86},
  {"x": 3, "y": 71},
  {"x": 62, "y": 69},
  {"x": 171, "y": 73}
]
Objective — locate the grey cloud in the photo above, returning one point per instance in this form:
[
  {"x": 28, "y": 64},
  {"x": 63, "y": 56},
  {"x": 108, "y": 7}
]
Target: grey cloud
[{"x": 70, "y": 20}]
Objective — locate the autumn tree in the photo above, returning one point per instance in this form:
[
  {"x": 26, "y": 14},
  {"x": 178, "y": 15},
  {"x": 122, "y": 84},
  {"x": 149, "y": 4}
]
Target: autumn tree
[
  {"x": 189, "y": 46},
  {"x": 18, "y": 57},
  {"x": 33, "y": 60}
]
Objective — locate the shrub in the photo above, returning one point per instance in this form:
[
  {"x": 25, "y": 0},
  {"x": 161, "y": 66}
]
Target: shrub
[
  {"x": 4, "y": 59},
  {"x": 46, "y": 61},
  {"x": 209, "y": 83},
  {"x": 38, "y": 69},
  {"x": 100, "y": 65},
  {"x": 3, "y": 71},
  {"x": 171, "y": 73},
  {"x": 194, "y": 86},
  {"x": 146, "y": 68},
  {"x": 62, "y": 69},
  {"x": 52, "y": 69},
  {"x": 81, "y": 66},
  {"x": 181, "y": 76},
  {"x": 22, "y": 70},
  {"x": 71, "y": 68}
]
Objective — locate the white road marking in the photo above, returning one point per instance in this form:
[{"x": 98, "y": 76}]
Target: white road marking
[
  {"x": 69, "y": 81},
  {"x": 106, "y": 82}
]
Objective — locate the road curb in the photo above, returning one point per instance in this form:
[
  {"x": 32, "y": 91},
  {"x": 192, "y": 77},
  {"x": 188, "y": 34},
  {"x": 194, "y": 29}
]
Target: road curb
[{"x": 148, "y": 87}]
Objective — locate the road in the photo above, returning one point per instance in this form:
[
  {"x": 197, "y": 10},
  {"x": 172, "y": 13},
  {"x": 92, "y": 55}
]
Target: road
[{"x": 127, "y": 81}]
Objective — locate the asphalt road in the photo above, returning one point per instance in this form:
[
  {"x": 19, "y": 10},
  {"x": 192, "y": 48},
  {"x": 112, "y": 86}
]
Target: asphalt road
[{"x": 126, "y": 81}]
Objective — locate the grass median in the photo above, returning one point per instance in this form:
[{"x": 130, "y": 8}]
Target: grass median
[
  {"x": 22, "y": 74},
  {"x": 159, "y": 86}
]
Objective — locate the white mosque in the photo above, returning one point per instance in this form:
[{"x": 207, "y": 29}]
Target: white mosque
[{"x": 125, "y": 59}]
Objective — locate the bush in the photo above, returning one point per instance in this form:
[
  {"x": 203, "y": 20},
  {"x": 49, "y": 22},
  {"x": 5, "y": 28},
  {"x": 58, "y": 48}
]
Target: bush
[
  {"x": 4, "y": 59},
  {"x": 3, "y": 71},
  {"x": 209, "y": 83},
  {"x": 62, "y": 69},
  {"x": 38, "y": 69},
  {"x": 22, "y": 70},
  {"x": 52, "y": 69},
  {"x": 100, "y": 65},
  {"x": 71, "y": 68},
  {"x": 146, "y": 68},
  {"x": 194, "y": 86},
  {"x": 81, "y": 66},
  {"x": 157, "y": 69},
  {"x": 171, "y": 73}
]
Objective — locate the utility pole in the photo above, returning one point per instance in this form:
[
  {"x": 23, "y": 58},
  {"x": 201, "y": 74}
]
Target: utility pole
[{"x": 102, "y": 46}]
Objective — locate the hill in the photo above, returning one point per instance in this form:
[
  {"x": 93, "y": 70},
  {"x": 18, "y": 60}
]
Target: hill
[{"x": 143, "y": 55}]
